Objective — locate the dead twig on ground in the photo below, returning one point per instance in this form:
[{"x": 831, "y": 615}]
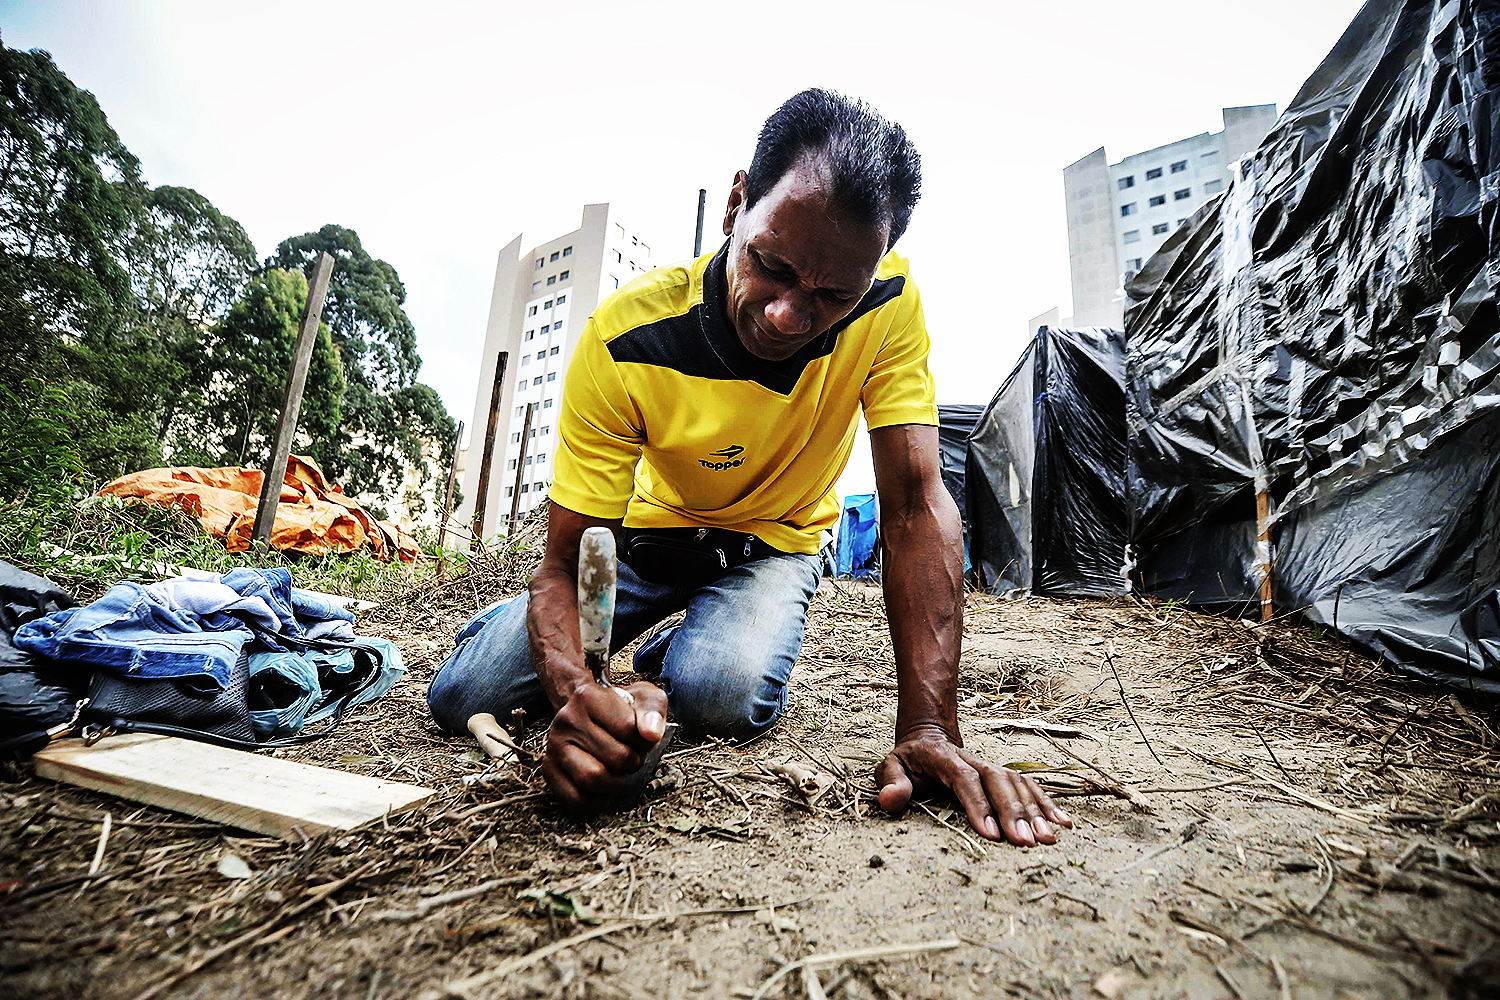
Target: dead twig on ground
[
  {"x": 857, "y": 955},
  {"x": 1109, "y": 657},
  {"x": 1116, "y": 787}
]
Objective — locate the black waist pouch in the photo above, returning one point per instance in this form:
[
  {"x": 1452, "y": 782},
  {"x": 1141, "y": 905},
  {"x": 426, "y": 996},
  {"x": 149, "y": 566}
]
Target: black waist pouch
[
  {"x": 688, "y": 558},
  {"x": 173, "y": 706}
]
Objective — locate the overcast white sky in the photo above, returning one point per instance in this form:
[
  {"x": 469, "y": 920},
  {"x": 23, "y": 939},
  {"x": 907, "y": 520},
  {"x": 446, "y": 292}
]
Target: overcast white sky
[{"x": 439, "y": 130}]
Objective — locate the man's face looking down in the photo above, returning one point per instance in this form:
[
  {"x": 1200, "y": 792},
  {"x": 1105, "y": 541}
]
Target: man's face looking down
[{"x": 796, "y": 265}]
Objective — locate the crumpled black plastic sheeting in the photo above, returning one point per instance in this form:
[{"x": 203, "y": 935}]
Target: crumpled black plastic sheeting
[
  {"x": 1344, "y": 286},
  {"x": 956, "y": 421},
  {"x": 32, "y": 697},
  {"x": 1046, "y": 485}
]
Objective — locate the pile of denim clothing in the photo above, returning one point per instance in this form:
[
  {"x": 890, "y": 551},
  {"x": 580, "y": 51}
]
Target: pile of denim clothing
[{"x": 302, "y": 654}]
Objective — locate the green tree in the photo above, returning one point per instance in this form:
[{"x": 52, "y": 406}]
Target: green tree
[
  {"x": 188, "y": 263},
  {"x": 386, "y": 415},
  {"x": 68, "y": 188},
  {"x": 249, "y": 353}
]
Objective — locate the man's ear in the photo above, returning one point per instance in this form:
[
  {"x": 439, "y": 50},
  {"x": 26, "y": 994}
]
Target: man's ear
[{"x": 736, "y": 201}]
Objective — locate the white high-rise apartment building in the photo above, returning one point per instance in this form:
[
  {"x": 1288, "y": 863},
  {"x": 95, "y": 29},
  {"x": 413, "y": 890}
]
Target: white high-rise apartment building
[
  {"x": 541, "y": 299},
  {"x": 1120, "y": 214}
]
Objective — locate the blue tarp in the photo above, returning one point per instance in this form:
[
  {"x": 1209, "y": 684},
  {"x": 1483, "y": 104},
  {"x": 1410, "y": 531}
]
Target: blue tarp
[{"x": 857, "y": 540}]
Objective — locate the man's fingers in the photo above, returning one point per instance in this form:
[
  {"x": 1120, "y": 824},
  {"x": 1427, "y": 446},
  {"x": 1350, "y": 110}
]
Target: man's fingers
[
  {"x": 895, "y": 786},
  {"x": 965, "y": 782},
  {"x": 650, "y": 711},
  {"x": 1003, "y": 798},
  {"x": 1050, "y": 809}
]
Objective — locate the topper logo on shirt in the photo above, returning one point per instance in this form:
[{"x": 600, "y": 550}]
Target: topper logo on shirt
[{"x": 731, "y": 458}]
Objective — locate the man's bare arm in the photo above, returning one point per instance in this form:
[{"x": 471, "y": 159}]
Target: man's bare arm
[
  {"x": 922, "y": 576},
  {"x": 596, "y": 737}
]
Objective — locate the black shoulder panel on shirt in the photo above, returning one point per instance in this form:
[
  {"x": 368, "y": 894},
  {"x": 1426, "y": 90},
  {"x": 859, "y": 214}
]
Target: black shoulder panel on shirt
[
  {"x": 675, "y": 342},
  {"x": 699, "y": 344}
]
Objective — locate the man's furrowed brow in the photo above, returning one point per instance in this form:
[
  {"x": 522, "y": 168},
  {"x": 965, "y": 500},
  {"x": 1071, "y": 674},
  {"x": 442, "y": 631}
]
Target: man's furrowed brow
[{"x": 779, "y": 262}]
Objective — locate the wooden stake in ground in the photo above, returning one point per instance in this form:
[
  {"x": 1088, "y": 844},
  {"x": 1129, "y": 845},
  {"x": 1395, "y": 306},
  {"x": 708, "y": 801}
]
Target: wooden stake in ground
[
  {"x": 448, "y": 487},
  {"x": 291, "y": 402},
  {"x": 515, "y": 493},
  {"x": 491, "y": 429}
]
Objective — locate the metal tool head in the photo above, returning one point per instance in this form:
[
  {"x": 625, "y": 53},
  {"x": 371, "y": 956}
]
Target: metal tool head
[{"x": 633, "y": 786}]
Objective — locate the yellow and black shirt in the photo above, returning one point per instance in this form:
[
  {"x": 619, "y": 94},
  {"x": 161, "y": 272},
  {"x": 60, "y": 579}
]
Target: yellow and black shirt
[{"x": 668, "y": 421}]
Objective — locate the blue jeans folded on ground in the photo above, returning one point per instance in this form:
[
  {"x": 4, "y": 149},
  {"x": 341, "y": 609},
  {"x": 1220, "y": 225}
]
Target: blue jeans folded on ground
[
  {"x": 291, "y": 690},
  {"x": 194, "y": 626},
  {"x": 724, "y": 668}
]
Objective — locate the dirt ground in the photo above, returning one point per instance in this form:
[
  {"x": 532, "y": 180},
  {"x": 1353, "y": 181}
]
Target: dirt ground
[{"x": 1302, "y": 825}]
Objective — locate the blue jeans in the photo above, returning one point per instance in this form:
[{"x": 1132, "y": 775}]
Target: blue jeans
[{"x": 724, "y": 668}]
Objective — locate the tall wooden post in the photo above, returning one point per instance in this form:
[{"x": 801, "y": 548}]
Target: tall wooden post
[
  {"x": 515, "y": 493},
  {"x": 490, "y": 430},
  {"x": 291, "y": 402},
  {"x": 448, "y": 488}
]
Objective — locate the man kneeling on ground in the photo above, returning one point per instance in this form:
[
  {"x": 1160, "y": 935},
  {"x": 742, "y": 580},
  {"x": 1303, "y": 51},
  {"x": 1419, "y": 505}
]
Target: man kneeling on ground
[{"x": 708, "y": 411}]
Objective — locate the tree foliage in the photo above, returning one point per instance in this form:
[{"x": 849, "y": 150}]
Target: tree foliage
[
  {"x": 250, "y": 353},
  {"x": 387, "y": 416},
  {"x": 136, "y": 323}
]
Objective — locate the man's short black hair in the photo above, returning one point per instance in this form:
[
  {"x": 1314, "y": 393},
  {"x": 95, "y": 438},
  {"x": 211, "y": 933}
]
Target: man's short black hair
[{"x": 877, "y": 173}]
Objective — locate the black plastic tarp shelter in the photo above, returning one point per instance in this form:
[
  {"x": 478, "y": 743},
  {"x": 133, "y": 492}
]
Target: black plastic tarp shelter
[
  {"x": 1326, "y": 334},
  {"x": 1045, "y": 470}
]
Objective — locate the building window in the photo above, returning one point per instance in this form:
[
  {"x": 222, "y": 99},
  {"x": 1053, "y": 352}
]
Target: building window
[
  {"x": 1212, "y": 156},
  {"x": 530, "y": 334},
  {"x": 540, "y": 261},
  {"x": 547, "y": 304},
  {"x": 557, "y": 327},
  {"x": 561, "y": 299},
  {"x": 1134, "y": 263},
  {"x": 556, "y": 254},
  {"x": 1158, "y": 199},
  {"x": 526, "y": 486},
  {"x": 510, "y": 490},
  {"x": 546, "y": 404},
  {"x": 528, "y": 462},
  {"x": 552, "y": 376},
  {"x": 546, "y": 431},
  {"x": 512, "y": 465},
  {"x": 616, "y": 281},
  {"x": 563, "y": 276},
  {"x": 532, "y": 311},
  {"x": 540, "y": 355},
  {"x": 1153, "y": 173},
  {"x": 1213, "y": 187},
  {"x": 552, "y": 279},
  {"x": 1179, "y": 166},
  {"x": 546, "y": 327},
  {"x": 1128, "y": 209},
  {"x": 515, "y": 437},
  {"x": 519, "y": 410},
  {"x": 525, "y": 359},
  {"x": 537, "y": 380},
  {"x": 1127, "y": 182},
  {"x": 619, "y": 257},
  {"x": 567, "y": 251},
  {"x": 536, "y": 286},
  {"x": 1180, "y": 195},
  {"x": 1133, "y": 236},
  {"x": 1159, "y": 228},
  {"x": 1182, "y": 222}
]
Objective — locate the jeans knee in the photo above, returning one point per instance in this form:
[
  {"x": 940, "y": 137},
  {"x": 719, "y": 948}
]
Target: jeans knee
[{"x": 732, "y": 711}]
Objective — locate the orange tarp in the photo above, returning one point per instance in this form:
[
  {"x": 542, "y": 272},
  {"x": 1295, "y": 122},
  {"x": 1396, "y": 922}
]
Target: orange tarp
[{"x": 312, "y": 517}]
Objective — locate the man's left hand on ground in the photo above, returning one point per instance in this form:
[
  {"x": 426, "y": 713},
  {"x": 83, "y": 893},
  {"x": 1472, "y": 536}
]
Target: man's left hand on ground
[{"x": 1000, "y": 803}]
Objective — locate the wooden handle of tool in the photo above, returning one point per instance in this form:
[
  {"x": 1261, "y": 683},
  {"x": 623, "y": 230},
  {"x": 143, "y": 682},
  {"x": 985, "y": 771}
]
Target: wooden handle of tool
[
  {"x": 492, "y": 739},
  {"x": 596, "y": 598}
]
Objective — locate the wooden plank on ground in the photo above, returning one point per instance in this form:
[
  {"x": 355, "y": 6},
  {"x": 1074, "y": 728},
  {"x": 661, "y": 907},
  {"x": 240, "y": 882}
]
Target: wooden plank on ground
[{"x": 250, "y": 791}]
